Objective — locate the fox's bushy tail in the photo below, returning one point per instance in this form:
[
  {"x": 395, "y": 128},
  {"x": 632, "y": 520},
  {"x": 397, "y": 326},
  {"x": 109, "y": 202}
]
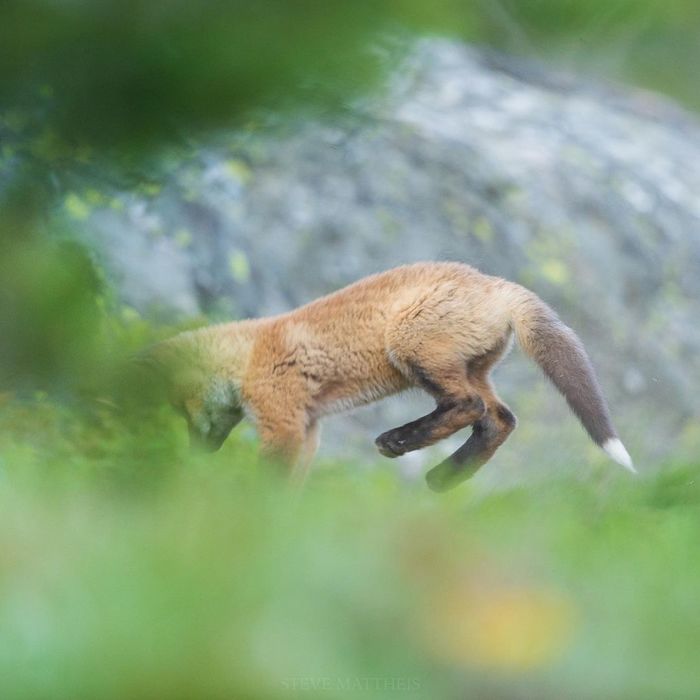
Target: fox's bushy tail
[{"x": 562, "y": 357}]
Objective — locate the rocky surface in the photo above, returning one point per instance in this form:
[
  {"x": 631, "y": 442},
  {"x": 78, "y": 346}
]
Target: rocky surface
[{"x": 585, "y": 193}]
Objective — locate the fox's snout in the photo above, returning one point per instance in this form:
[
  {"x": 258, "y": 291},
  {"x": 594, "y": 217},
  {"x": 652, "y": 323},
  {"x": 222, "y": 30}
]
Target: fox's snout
[{"x": 211, "y": 442}]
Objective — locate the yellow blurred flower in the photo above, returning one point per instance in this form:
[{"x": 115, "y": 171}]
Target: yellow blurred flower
[{"x": 503, "y": 628}]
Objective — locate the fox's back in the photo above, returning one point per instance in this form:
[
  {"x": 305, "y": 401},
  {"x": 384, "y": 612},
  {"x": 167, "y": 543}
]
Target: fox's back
[
  {"x": 383, "y": 290},
  {"x": 345, "y": 338},
  {"x": 454, "y": 295}
]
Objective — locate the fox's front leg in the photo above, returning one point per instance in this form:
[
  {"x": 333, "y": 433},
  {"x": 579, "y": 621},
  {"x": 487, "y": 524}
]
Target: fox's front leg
[
  {"x": 302, "y": 465},
  {"x": 281, "y": 441},
  {"x": 285, "y": 434},
  {"x": 275, "y": 395}
]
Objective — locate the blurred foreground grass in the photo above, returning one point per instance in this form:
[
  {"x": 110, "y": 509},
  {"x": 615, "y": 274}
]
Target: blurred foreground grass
[{"x": 130, "y": 568}]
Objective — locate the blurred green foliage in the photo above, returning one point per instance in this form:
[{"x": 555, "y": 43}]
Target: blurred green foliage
[
  {"x": 649, "y": 42},
  {"x": 130, "y": 74},
  {"x": 132, "y": 568}
]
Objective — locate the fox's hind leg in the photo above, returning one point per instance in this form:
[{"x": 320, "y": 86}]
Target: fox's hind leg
[
  {"x": 458, "y": 403},
  {"x": 488, "y": 433}
]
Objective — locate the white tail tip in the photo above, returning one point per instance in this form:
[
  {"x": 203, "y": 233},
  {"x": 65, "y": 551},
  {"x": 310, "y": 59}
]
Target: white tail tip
[{"x": 616, "y": 450}]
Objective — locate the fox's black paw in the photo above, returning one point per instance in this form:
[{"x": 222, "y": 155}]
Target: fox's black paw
[{"x": 390, "y": 445}]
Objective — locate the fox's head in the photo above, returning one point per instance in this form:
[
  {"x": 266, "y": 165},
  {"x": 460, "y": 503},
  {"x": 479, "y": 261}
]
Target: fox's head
[
  {"x": 211, "y": 406},
  {"x": 197, "y": 389}
]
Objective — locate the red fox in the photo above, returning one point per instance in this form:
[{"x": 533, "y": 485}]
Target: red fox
[{"x": 438, "y": 326}]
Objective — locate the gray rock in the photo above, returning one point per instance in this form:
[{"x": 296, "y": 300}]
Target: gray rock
[{"x": 587, "y": 194}]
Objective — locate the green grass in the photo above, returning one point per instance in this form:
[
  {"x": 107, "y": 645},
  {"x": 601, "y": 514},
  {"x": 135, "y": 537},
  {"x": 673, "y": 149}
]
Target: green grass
[{"x": 130, "y": 568}]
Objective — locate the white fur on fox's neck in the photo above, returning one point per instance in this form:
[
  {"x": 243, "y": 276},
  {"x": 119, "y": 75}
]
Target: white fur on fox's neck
[{"x": 616, "y": 450}]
